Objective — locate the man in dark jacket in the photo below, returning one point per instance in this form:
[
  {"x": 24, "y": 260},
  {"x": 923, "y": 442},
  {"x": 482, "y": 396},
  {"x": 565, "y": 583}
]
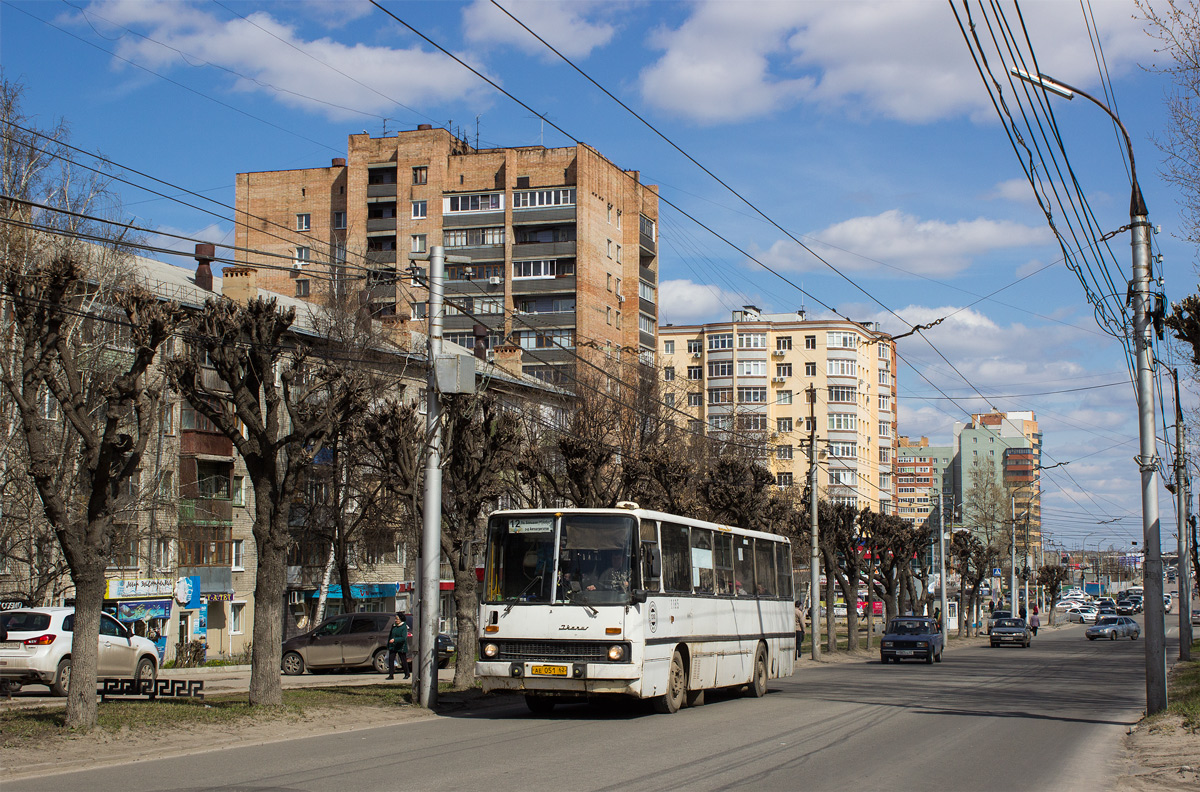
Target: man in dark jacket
[{"x": 398, "y": 646}]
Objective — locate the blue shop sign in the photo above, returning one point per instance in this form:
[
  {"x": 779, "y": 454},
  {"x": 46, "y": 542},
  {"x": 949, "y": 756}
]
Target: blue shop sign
[{"x": 362, "y": 591}]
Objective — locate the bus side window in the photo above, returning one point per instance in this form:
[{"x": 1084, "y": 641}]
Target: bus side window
[
  {"x": 743, "y": 566},
  {"x": 651, "y": 565},
  {"x": 723, "y": 563},
  {"x": 702, "y": 561},
  {"x": 676, "y": 559},
  {"x": 783, "y": 558},
  {"x": 764, "y": 558}
]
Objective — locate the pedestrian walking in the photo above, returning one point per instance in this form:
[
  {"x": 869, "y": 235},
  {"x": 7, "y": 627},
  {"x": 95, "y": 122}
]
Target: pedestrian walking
[
  {"x": 398, "y": 647},
  {"x": 1034, "y": 621},
  {"x": 799, "y": 627}
]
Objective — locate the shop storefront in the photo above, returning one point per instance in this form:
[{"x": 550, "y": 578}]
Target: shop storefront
[{"x": 165, "y": 610}]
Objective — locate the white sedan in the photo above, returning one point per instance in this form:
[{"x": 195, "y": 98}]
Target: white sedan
[
  {"x": 1083, "y": 615},
  {"x": 1067, "y": 604}
]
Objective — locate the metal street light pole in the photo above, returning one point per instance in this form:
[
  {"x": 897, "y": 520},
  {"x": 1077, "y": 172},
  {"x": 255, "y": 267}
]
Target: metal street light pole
[
  {"x": 1139, "y": 223},
  {"x": 942, "y": 569},
  {"x": 1181, "y": 509},
  {"x": 814, "y": 572}
]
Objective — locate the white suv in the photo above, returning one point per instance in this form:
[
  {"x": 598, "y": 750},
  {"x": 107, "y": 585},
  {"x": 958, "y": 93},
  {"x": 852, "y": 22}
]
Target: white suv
[{"x": 38, "y": 649}]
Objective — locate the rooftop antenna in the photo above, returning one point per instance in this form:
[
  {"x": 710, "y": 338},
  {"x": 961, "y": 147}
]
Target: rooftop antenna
[
  {"x": 476, "y": 132},
  {"x": 385, "y": 126},
  {"x": 542, "y": 134}
]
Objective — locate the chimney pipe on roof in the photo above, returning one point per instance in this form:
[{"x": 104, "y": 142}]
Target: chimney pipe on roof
[
  {"x": 481, "y": 334},
  {"x": 339, "y": 162},
  {"x": 205, "y": 253}
]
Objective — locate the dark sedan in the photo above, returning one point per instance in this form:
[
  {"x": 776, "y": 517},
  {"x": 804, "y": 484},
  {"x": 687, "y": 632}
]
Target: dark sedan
[
  {"x": 1011, "y": 632},
  {"x": 911, "y": 637}
]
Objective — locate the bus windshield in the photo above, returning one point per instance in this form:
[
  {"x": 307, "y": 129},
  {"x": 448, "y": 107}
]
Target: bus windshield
[{"x": 595, "y": 560}]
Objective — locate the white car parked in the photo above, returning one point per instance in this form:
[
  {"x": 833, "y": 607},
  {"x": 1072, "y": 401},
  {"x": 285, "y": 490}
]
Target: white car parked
[{"x": 38, "y": 650}]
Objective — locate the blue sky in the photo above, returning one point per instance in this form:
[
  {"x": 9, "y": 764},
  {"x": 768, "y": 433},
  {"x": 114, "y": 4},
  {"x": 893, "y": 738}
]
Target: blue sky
[{"x": 863, "y": 128}]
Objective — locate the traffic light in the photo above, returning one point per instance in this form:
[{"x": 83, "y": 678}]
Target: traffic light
[{"x": 1066, "y": 559}]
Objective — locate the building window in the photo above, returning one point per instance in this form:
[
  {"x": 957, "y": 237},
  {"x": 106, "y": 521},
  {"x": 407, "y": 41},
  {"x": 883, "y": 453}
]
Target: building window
[
  {"x": 810, "y": 424},
  {"x": 783, "y": 452},
  {"x": 609, "y": 215},
  {"x": 125, "y": 552},
  {"x": 543, "y": 268},
  {"x": 842, "y": 393},
  {"x": 303, "y": 222},
  {"x": 668, "y": 347},
  {"x": 669, "y": 399},
  {"x": 843, "y": 421},
  {"x": 618, "y": 219},
  {"x": 720, "y": 341},
  {"x": 237, "y": 618},
  {"x": 719, "y": 423},
  {"x": 239, "y": 491},
  {"x": 695, "y": 427},
  {"x": 545, "y": 339},
  {"x": 417, "y": 243},
  {"x": 843, "y": 449},
  {"x": 481, "y": 202},
  {"x": 238, "y": 551},
  {"x": 695, "y": 372},
  {"x": 885, "y": 401},
  {"x": 608, "y": 314},
  {"x": 783, "y": 370},
  {"x": 420, "y": 175},
  {"x": 810, "y": 369},
  {"x": 720, "y": 395},
  {"x": 646, "y": 323},
  {"x": 885, "y": 378},
  {"x": 647, "y": 227},
  {"x": 339, "y": 221},
  {"x": 752, "y": 368},
  {"x": 843, "y": 478},
  {"x": 534, "y": 198},
  {"x": 473, "y": 237},
  {"x": 810, "y": 342},
  {"x": 783, "y": 344},
  {"x": 752, "y": 395},
  {"x": 162, "y": 554},
  {"x": 618, "y": 320},
  {"x": 419, "y": 210},
  {"x": 783, "y": 425},
  {"x": 838, "y": 340},
  {"x": 302, "y": 288},
  {"x": 695, "y": 399},
  {"x": 668, "y": 373},
  {"x": 695, "y": 347},
  {"x": 885, "y": 455},
  {"x": 608, "y": 248},
  {"x": 752, "y": 340},
  {"x": 755, "y": 423},
  {"x": 303, "y": 256},
  {"x": 618, "y": 254},
  {"x": 722, "y": 368},
  {"x": 841, "y": 368},
  {"x": 646, "y": 291},
  {"x": 783, "y": 479},
  {"x": 783, "y": 397}
]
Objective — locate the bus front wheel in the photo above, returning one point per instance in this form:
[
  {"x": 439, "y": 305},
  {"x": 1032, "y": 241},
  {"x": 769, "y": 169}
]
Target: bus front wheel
[{"x": 672, "y": 700}]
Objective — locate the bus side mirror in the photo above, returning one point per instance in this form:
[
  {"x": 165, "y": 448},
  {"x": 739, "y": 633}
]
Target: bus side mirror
[{"x": 638, "y": 595}]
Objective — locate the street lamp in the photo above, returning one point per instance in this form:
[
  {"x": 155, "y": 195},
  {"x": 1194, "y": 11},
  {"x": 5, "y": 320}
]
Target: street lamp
[{"x": 1139, "y": 287}]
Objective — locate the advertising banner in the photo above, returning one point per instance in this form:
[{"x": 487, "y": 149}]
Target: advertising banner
[{"x": 144, "y": 610}]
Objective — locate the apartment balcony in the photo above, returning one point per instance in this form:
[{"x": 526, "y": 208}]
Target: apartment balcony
[
  {"x": 381, "y": 190},
  {"x": 494, "y": 217},
  {"x": 193, "y": 443},
  {"x": 378, "y": 257},
  {"x": 213, "y": 579},
  {"x": 648, "y": 245},
  {"x": 539, "y": 250},
  {"x": 548, "y": 214},
  {"x": 205, "y": 511},
  {"x": 381, "y": 224},
  {"x": 562, "y": 283},
  {"x": 649, "y": 275},
  {"x": 522, "y": 320}
]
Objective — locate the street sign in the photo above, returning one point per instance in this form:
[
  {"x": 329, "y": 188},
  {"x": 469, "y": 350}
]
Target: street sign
[{"x": 995, "y": 571}]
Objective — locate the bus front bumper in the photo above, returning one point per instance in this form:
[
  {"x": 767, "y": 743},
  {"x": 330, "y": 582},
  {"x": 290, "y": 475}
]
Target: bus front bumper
[{"x": 559, "y": 678}]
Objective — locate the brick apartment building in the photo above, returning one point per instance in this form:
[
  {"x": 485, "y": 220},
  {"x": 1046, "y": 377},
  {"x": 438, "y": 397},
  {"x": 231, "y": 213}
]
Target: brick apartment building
[
  {"x": 922, "y": 473},
  {"x": 752, "y": 375},
  {"x": 563, "y": 244}
]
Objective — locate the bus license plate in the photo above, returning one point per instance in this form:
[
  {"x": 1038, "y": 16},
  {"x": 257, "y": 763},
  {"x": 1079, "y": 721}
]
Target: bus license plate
[{"x": 549, "y": 670}]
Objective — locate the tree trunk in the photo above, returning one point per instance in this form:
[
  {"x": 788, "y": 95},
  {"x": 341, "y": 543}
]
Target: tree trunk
[
  {"x": 466, "y": 607},
  {"x": 962, "y": 611},
  {"x": 830, "y": 619},
  {"x": 81, "y": 697},
  {"x": 266, "y": 681}
]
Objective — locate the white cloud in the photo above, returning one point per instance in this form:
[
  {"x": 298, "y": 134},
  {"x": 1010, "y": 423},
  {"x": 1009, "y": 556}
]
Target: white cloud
[
  {"x": 902, "y": 59},
  {"x": 922, "y": 247},
  {"x": 564, "y": 25},
  {"x": 273, "y": 59},
  {"x": 686, "y": 302}
]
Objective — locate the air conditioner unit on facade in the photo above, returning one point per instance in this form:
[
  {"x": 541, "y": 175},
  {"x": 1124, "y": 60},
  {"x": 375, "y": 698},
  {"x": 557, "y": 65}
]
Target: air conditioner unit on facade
[
  {"x": 620, "y": 298},
  {"x": 494, "y": 281},
  {"x": 778, "y": 379},
  {"x": 777, "y": 353},
  {"x": 695, "y": 354}
]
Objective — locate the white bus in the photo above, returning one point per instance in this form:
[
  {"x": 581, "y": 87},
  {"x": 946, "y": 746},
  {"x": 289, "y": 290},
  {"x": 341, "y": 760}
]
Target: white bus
[{"x": 584, "y": 603}]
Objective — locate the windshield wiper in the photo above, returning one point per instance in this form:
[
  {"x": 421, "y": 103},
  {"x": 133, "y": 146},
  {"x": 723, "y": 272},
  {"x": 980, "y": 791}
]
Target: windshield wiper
[{"x": 524, "y": 591}]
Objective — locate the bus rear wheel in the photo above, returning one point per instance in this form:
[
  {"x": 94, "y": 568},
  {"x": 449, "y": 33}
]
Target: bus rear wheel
[
  {"x": 539, "y": 705},
  {"x": 758, "y": 683},
  {"x": 673, "y": 699}
]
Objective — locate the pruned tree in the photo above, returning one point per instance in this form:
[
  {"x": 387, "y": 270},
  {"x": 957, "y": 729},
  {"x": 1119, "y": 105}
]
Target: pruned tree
[
  {"x": 839, "y": 538},
  {"x": 1052, "y": 577},
  {"x": 273, "y": 403}
]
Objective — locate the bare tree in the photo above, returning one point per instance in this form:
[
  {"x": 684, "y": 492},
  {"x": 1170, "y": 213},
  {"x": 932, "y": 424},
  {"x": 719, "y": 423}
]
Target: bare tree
[
  {"x": 1052, "y": 577},
  {"x": 273, "y": 402}
]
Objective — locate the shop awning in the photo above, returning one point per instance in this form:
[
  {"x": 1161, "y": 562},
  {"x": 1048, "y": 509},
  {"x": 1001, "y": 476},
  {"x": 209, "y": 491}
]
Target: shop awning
[{"x": 361, "y": 591}]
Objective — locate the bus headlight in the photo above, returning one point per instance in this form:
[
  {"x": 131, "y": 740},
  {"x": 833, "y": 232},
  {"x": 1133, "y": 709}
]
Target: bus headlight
[
  {"x": 490, "y": 650},
  {"x": 616, "y": 653}
]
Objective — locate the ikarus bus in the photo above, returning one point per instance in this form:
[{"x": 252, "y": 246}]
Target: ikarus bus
[{"x": 583, "y": 603}]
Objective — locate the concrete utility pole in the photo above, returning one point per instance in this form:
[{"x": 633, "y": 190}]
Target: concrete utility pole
[
  {"x": 431, "y": 534},
  {"x": 1139, "y": 289},
  {"x": 1012, "y": 572},
  {"x": 1182, "y": 502},
  {"x": 942, "y": 570},
  {"x": 814, "y": 573}
]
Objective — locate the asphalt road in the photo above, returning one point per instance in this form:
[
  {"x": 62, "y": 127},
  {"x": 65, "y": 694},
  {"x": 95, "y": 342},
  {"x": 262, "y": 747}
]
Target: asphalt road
[{"x": 1049, "y": 717}]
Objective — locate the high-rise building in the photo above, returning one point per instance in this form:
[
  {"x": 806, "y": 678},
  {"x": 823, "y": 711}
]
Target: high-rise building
[
  {"x": 562, "y": 245},
  {"x": 1009, "y": 445},
  {"x": 755, "y": 375},
  {"x": 922, "y": 473}
]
